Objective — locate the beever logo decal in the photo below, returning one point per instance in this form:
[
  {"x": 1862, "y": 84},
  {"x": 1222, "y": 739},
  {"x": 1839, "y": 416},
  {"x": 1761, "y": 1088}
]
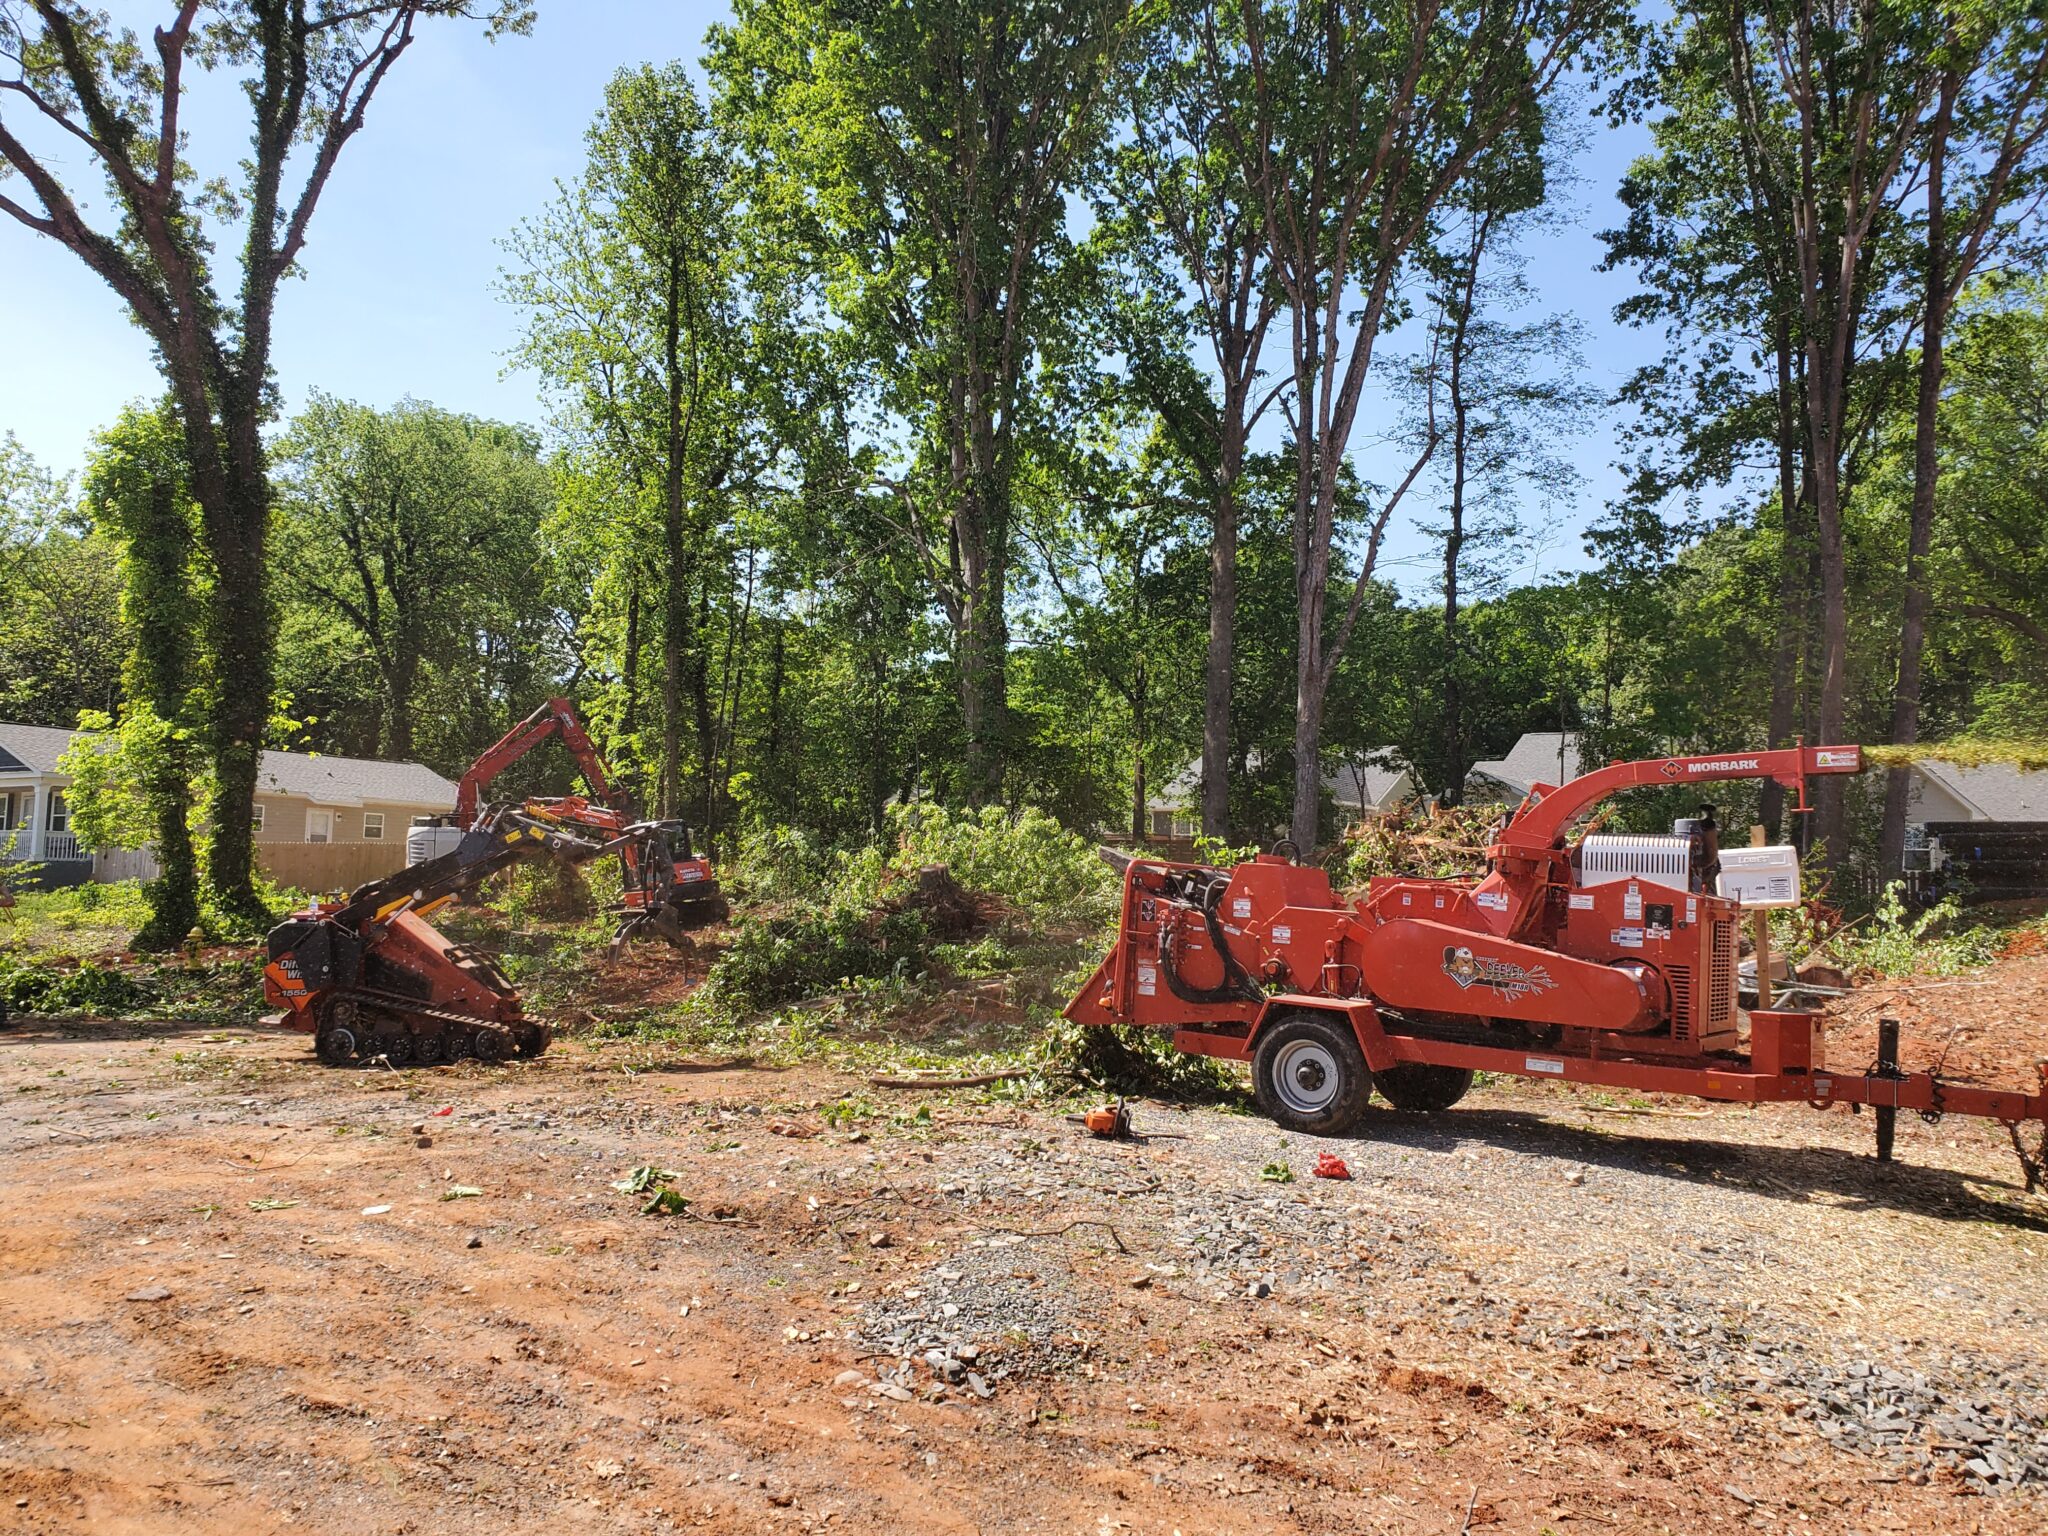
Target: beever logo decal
[{"x": 1508, "y": 979}]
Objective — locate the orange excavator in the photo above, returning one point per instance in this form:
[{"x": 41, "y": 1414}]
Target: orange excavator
[
  {"x": 373, "y": 980},
  {"x": 669, "y": 888}
]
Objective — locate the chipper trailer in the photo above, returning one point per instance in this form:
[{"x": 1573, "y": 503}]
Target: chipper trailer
[{"x": 1608, "y": 960}]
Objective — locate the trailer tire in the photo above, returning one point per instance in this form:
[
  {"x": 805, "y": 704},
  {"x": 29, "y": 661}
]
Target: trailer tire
[
  {"x": 1423, "y": 1088},
  {"x": 1308, "y": 1075}
]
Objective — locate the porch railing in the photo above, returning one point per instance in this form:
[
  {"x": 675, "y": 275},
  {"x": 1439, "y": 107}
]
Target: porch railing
[{"x": 19, "y": 846}]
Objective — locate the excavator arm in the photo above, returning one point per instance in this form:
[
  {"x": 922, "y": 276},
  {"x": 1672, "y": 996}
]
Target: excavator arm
[{"x": 557, "y": 717}]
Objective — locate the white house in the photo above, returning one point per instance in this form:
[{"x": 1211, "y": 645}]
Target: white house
[
  {"x": 303, "y": 800},
  {"x": 1361, "y": 787},
  {"x": 1540, "y": 757},
  {"x": 1938, "y": 791}
]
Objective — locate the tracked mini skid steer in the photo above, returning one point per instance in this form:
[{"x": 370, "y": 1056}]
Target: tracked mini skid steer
[{"x": 373, "y": 980}]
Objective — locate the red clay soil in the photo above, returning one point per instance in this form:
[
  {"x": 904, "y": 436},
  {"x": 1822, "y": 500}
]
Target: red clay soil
[{"x": 1988, "y": 1027}]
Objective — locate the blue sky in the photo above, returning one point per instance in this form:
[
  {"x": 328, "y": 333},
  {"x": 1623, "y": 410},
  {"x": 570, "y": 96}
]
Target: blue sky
[{"x": 468, "y": 137}]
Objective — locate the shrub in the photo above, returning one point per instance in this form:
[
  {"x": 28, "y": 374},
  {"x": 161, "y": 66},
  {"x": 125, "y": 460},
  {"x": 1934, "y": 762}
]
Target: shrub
[
  {"x": 1127, "y": 1060},
  {"x": 1023, "y": 856},
  {"x": 88, "y": 989},
  {"x": 1895, "y": 942},
  {"x": 778, "y": 960}
]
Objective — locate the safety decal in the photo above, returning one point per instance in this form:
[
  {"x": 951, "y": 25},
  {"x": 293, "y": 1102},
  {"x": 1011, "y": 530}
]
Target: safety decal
[
  {"x": 1497, "y": 900},
  {"x": 1543, "y": 1064},
  {"x": 1582, "y": 901},
  {"x": 1632, "y": 904},
  {"x": 1283, "y": 935},
  {"x": 1628, "y": 938},
  {"x": 1509, "y": 980},
  {"x": 1241, "y": 906}
]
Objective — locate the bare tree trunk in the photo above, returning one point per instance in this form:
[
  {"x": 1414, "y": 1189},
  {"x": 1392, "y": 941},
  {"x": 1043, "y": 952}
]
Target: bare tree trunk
[
  {"x": 1792, "y": 561},
  {"x": 244, "y": 655},
  {"x": 1454, "y": 538},
  {"x": 1926, "y": 474},
  {"x": 1220, "y": 664}
]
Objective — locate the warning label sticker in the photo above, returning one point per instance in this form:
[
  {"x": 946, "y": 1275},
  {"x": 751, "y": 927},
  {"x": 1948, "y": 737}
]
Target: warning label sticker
[
  {"x": 1543, "y": 1064},
  {"x": 1582, "y": 901},
  {"x": 1628, "y": 938},
  {"x": 1241, "y": 906}
]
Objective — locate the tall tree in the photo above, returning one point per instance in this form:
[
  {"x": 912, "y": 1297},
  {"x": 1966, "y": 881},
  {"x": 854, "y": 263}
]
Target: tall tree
[
  {"x": 1985, "y": 174},
  {"x": 62, "y": 639},
  {"x": 415, "y": 525},
  {"x": 629, "y": 286},
  {"x": 922, "y": 155},
  {"x": 1770, "y": 240},
  {"x": 137, "y": 488},
  {"x": 81, "y": 91},
  {"x": 1177, "y": 202},
  {"x": 1353, "y": 122},
  {"x": 1503, "y": 394},
  {"x": 1829, "y": 98}
]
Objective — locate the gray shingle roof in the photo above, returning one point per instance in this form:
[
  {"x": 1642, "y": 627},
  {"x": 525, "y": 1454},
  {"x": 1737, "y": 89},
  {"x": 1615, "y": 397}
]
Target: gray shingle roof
[
  {"x": 322, "y": 779},
  {"x": 1999, "y": 791},
  {"x": 353, "y": 780},
  {"x": 34, "y": 748},
  {"x": 1185, "y": 787},
  {"x": 1540, "y": 757}
]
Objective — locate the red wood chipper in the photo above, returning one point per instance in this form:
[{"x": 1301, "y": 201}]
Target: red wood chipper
[{"x": 1608, "y": 960}]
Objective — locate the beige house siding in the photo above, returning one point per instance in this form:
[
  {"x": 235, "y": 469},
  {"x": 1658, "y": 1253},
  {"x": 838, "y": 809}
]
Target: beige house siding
[
  {"x": 285, "y": 820},
  {"x": 318, "y": 814}
]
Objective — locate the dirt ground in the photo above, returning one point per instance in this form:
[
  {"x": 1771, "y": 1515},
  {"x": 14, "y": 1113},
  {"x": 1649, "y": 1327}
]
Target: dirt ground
[
  {"x": 240, "y": 1292},
  {"x": 1985, "y": 1026}
]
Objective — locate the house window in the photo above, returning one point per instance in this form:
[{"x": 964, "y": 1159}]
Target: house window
[
  {"x": 373, "y": 826},
  {"x": 6, "y": 810},
  {"x": 60, "y": 812},
  {"x": 319, "y": 826},
  {"x": 256, "y": 817}
]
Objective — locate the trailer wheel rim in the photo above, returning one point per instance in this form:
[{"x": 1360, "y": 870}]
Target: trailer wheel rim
[{"x": 1306, "y": 1076}]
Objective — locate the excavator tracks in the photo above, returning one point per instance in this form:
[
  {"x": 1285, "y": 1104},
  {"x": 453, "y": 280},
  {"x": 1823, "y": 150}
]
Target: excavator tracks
[{"x": 368, "y": 1028}]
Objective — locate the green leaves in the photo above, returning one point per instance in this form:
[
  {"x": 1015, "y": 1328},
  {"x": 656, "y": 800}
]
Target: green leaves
[{"x": 653, "y": 1182}]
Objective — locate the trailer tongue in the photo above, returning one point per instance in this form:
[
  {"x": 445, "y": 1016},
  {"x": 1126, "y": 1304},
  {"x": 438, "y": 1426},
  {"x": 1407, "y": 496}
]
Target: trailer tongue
[{"x": 1609, "y": 961}]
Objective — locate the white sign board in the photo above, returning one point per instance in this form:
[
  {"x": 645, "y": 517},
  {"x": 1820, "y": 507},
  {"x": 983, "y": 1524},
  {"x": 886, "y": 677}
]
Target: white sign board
[{"x": 1761, "y": 877}]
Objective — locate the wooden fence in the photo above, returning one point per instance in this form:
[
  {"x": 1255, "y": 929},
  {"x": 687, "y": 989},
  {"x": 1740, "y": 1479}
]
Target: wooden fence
[
  {"x": 330, "y": 866},
  {"x": 316, "y": 867}
]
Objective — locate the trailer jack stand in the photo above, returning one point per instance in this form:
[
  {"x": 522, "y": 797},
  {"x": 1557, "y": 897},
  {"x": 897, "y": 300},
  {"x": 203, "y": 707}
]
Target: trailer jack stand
[{"x": 1888, "y": 1068}]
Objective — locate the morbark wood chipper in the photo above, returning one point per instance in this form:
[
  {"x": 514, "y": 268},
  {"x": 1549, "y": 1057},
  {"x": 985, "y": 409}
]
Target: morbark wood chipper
[
  {"x": 1607, "y": 961},
  {"x": 373, "y": 980}
]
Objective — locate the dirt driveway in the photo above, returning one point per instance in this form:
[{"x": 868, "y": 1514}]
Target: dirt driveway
[{"x": 240, "y": 1292}]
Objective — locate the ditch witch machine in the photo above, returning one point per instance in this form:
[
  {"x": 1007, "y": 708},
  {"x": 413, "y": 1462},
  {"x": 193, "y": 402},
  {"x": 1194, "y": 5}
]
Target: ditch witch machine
[
  {"x": 371, "y": 978},
  {"x": 1607, "y": 961}
]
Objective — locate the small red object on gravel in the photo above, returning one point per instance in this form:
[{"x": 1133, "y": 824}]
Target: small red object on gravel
[
  {"x": 1330, "y": 1166},
  {"x": 445, "y": 1109}
]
